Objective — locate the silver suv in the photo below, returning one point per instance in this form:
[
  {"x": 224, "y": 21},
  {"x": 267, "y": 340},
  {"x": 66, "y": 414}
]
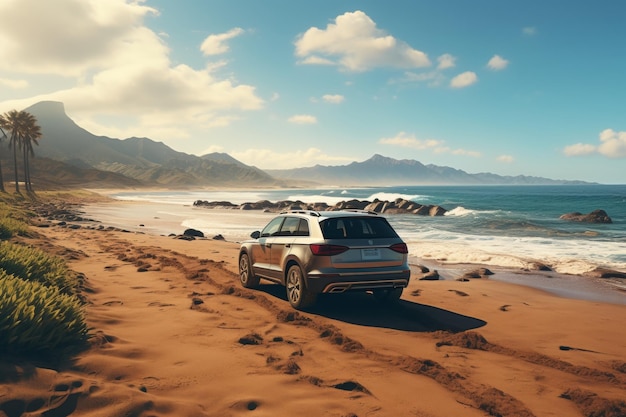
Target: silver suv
[{"x": 311, "y": 252}]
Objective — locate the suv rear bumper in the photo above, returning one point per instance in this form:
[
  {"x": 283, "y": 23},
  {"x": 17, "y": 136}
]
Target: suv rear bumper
[{"x": 338, "y": 283}]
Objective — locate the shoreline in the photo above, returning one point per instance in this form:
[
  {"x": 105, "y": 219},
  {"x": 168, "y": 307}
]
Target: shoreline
[
  {"x": 175, "y": 334},
  {"x": 135, "y": 219}
]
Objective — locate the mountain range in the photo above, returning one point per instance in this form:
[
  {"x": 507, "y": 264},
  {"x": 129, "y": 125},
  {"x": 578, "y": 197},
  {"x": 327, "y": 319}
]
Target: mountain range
[{"x": 70, "y": 155}]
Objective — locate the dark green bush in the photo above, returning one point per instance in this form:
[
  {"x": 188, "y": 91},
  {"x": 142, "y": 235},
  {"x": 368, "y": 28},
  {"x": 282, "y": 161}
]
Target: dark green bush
[
  {"x": 35, "y": 265},
  {"x": 35, "y": 318}
]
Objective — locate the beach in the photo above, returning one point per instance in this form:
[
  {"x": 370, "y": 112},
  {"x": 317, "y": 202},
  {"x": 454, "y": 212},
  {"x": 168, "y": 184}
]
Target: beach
[{"x": 174, "y": 334}]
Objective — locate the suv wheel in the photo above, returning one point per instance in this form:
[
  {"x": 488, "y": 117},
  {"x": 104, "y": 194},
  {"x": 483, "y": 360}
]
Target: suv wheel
[
  {"x": 246, "y": 275},
  {"x": 388, "y": 296},
  {"x": 297, "y": 294}
]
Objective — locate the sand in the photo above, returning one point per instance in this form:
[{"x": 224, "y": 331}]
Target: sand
[{"x": 176, "y": 335}]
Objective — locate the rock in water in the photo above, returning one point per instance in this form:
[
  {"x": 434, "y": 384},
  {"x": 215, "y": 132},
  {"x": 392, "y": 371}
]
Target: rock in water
[{"x": 596, "y": 216}]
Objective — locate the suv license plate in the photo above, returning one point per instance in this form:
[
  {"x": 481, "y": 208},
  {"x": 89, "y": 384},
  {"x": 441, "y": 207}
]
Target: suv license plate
[{"x": 370, "y": 254}]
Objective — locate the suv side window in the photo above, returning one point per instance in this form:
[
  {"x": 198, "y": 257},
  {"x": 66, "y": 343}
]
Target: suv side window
[
  {"x": 294, "y": 226},
  {"x": 290, "y": 226},
  {"x": 272, "y": 227},
  {"x": 303, "y": 228}
]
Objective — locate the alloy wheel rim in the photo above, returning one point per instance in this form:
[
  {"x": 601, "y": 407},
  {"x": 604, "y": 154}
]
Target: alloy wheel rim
[
  {"x": 293, "y": 286},
  {"x": 243, "y": 270}
]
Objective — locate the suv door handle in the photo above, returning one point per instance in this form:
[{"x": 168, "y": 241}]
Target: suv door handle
[
  {"x": 268, "y": 245},
  {"x": 288, "y": 245}
]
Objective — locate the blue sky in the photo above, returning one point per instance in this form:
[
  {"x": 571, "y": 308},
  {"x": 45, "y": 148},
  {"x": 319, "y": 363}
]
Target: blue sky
[{"x": 509, "y": 87}]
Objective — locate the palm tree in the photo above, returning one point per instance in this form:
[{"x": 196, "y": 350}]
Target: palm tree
[
  {"x": 31, "y": 132},
  {"x": 13, "y": 121},
  {"x": 4, "y": 136},
  {"x": 24, "y": 132}
]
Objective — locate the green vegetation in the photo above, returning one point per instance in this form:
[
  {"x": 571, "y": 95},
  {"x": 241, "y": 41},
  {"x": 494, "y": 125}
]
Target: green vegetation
[
  {"x": 12, "y": 227},
  {"x": 35, "y": 265},
  {"x": 25, "y": 132},
  {"x": 38, "y": 319},
  {"x": 40, "y": 312},
  {"x": 12, "y": 222}
]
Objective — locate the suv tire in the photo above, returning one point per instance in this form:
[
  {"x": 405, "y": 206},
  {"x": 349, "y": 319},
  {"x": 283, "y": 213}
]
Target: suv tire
[
  {"x": 297, "y": 294},
  {"x": 246, "y": 275}
]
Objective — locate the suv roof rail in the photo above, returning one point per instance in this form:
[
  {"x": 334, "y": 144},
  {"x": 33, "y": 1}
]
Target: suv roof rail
[
  {"x": 360, "y": 211},
  {"x": 316, "y": 213},
  {"x": 309, "y": 212}
]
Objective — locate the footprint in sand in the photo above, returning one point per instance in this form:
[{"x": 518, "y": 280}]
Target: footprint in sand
[
  {"x": 160, "y": 304},
  {"x": 19, "y": 407},
  {"x": 246, "y": 405},
  {"x": 351, "y": 386}
]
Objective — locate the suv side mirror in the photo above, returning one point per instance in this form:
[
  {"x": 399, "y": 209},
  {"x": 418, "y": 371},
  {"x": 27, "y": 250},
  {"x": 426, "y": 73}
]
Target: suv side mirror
[{"x": 255, "y": 235}]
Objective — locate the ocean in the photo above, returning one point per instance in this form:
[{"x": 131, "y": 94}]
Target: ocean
[{"x": 507, "y": 226}]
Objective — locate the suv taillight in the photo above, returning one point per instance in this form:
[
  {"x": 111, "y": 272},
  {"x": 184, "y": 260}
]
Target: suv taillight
[
  {"x": 399, "y": 247},
  {"x": 327, "y": 250}
]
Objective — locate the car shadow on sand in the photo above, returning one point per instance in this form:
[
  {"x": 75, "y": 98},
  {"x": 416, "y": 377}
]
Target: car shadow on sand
[{"x": 362, "y": 309}]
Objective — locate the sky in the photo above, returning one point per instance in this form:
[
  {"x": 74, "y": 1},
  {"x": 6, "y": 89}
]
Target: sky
[{"x": 533, "y": 87}]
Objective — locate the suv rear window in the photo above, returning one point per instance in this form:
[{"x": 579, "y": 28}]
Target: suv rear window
[{"x": 357, "y": 228}]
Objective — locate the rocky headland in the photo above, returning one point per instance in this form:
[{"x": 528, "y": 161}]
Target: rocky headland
[{"x": 398, "y": 206}]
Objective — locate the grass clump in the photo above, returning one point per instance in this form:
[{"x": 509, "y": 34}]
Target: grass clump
[
  {"x": 12, "y": 227},
  {"x": 35, "y": 318},
  {"x": 33, "y": 264},
  {"x": 12, "y": 222}
]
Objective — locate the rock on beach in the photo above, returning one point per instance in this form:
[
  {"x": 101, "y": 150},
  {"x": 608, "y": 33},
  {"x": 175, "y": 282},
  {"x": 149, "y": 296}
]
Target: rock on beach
[{"x": 398, "y": 206}]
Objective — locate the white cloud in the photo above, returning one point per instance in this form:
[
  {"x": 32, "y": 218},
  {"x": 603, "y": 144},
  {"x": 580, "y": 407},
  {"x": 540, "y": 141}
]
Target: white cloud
[
  {"x": 354, "y": 43},
  {"x": 317, "y": 60},
  {"x": 404, "y": 140},
  {"x": 303, "y": 119},
  {"x": 104, "y": 62},
  {"x": 70, "y": 37},
  {"x": 579, "y": 149},
  {"x": 446, "y": 61},
  {"x": 507, "y": 159},
  {"x": 529, "y": 31},
  {"x": 270, "y": 159},
  {"x": 333, "y": 98},
  {"x": 497, "y": 63},
  {"x": 612, "y": 145},
  {"x": 430, "y": 78},
  {"x": 463, "y": 152},
  {"x": 216, "y": 44},
  {"x": 464, "y": 80},
  {"x": 212, "y": 149},
  {"x": 13, "y": 84}
]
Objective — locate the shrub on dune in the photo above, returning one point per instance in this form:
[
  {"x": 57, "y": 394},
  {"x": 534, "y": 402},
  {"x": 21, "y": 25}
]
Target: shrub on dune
[
  {"x": 12, "y": 222},
  {"x": 35, "y": 265},
  {"x": 35, "y": 318},
  {"x": 11, "y": 227}
]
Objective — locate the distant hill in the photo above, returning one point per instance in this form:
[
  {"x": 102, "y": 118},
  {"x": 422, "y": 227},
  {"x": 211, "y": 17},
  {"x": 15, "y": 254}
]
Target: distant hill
[
  {"x": 50, "y": 174},
  {"x": 70, "y": 155},
  {"x": 383, "y": 171},
  {"x": 148, "y": 162}
]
